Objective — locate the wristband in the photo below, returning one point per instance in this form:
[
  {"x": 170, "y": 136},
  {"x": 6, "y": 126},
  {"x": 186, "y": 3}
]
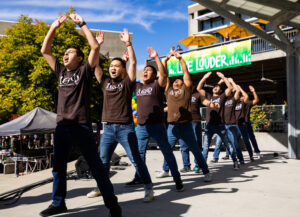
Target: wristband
[
  {"x": 128, "y": 44},
  {"x": 82, "y": 24}
]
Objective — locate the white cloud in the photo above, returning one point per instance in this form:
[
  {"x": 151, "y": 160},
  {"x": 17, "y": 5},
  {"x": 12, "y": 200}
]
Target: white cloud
[{"x": 111, "y": 11}]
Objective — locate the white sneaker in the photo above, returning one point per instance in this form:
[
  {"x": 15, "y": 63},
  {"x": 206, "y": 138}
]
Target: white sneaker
[
  {"x": 208, "y": 177},
  {"x": 94, "y": 193},
  {"x": 258, "y": 155},
  {"x": 149, "y": 195},
  {"x": 163, "y": 174}
]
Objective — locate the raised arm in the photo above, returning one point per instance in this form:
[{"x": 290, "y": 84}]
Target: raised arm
[
  {"x": 94, "y": 53},
  {"x": 98, "y": 70},
  {"x": 163, "y": 74},
  {"x": 244, "y": 94},
  {"x": 225, "y": 80},
  {"x": 124, "y": 37},
  {"x": 186, "y": 75},
  {"x": 165, "y": 61},
  {"x": 201, "y": 84},
  {"x": 256, "y": 99},
  {"x": 46, "y": 48},
  {"x": 237, "y": 90}
]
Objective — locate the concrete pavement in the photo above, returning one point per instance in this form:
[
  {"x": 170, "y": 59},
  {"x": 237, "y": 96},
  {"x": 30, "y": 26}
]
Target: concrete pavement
[{"x": 268, "y": 187}]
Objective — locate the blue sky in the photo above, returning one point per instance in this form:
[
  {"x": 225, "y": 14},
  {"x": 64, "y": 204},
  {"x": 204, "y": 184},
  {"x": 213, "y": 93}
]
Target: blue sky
[{"x": 156, "y": 23}]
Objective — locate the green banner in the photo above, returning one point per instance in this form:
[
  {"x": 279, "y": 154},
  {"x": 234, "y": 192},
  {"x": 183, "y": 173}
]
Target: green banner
[{"x": 216, "y": 58}]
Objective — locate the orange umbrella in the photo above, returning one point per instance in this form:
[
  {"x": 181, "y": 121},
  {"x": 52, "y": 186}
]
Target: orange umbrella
[
  {"x": 234, "y": 30},
  {"x": 199, "y": 40}
]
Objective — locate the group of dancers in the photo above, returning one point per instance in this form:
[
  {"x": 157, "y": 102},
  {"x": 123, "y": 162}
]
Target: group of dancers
[{"x": 74, "y": 123}]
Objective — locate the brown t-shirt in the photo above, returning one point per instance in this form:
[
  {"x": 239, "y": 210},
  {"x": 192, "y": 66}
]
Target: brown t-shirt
[
  {"x": 240, "y": 113},
  {"x": 247, "y": 108},
  {"x": 149, "y": 102},
  {"x": 179, "y": 103},
  {"x": 229, "y": 111},
  {"x": 117, "y": 96},
  {"x": 74, "y": 94},
  {"x": 195, "y": 106},
  {"x": 214, "y": 116}
]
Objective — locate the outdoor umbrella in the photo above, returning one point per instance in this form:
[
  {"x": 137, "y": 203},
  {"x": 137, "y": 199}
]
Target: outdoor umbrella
[
  {"x": 234, "y": 30},
  {"x": 199, "y": 40}
]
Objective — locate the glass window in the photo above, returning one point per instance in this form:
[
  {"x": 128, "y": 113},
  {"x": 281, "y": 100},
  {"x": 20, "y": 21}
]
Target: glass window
[
  {"x": 206, "y": 24},
  {"x": 245, "y": 17},
  {"x": 217, "y": 22}
]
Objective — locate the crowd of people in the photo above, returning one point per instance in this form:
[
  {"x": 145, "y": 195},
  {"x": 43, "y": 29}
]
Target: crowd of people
[{"x": 226, "y": 116}]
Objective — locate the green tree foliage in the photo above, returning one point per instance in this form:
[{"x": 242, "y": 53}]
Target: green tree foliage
[{"x": 26, "y": 80}]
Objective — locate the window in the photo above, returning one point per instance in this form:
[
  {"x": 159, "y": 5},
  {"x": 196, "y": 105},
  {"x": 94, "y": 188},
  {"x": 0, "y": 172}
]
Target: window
[{"x": 206, "y": 25}]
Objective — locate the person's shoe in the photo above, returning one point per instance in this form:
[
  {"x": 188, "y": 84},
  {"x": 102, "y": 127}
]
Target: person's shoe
[
  {"x": 258, "y": 155},
  {"x": 185, "y": 170},
  {"x": 251, "y": 159},
  {"x": 208, "y": 177},
  {"x": 196, "y": 169},
  {"x": 94, "y": 193},
  {"x": 214, "y": 161},
  {"x": 242, "y": 162},
  {"x": 236, "y": 165},
  {"x": 149, "y": 195},
  {"x": 225, "y": 158},
  {"x": 179, "y": 186},
  {"x": 53, "y": 210},
  {"x": 116, "y": 212},
  {"x": 163, "y": 174},
  {"x": 134, "y": 182}
]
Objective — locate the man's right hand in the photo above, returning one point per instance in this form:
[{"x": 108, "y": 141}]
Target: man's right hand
[
  {"x": 57, "y": 23},
  {"x": 207, "y": 75},
  {"x": 100, "y": 37}
]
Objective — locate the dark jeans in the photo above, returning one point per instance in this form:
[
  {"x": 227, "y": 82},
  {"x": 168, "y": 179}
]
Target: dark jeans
[
  {"x": 210, "y": 130},
  {"x": 82, "y": 136},
  {"x": 185, "y": 132},
  {"x": 159, "y": 133},
  {"x": 232, "y": 133},
  {"x": 252, "y": 137},
  {"x": 184, "y": 148},
  {"x": 244, "y": 132},
  {"x": 125, "y": 135}
]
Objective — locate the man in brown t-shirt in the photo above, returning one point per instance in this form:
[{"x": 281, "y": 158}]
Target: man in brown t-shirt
[
  {"x": 178, "y": 97},
  {"x": 117, "y": 113},
  {"x": 73, "y": 118},
  {"x": 149, "y": 96},
  {"x": 215, "y": 116}
]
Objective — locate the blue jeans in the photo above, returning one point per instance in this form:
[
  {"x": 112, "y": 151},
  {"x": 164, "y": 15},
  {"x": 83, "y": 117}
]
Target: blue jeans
[
  {"x": 217, "y": 147},
  {"x": 82, "y": 136},
  {"x": 185, "y": 132},
  {"x": 159, "y": 133},
  {"x": 210, "y": 130},
  {"x": 252, "y": 137},
  {"x": 185, "y": 149},
  {"x": 232, "y": 133},
  {"x": 125, "y": 135},
  {"x": 244, "y": 132}
]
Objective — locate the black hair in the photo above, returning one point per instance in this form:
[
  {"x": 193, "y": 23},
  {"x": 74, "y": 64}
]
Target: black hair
[
  {"x": 153, "y": 68},
  {"x": 121, "y": 60},
  {"x": 79, "y": 53}
]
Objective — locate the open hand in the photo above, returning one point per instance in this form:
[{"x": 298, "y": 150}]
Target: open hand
[
  {"x": 125, "y": 56},
  {"x": 177, "y": 55},
  {"x": 207, "y": 75},
  {"x": 76, "y": 18},
  {"x": 220, "y": 74},
  {"x": 152, "y": 52},
  {"x": 251, "y": 88},
  {"x": 100, "y": 37},
  {"x": 59, "y": 21},
  {"x": 124, "y": 36}
]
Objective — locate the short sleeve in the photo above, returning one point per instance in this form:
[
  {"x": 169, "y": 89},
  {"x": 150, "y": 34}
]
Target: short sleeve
[{"x": 58, "y": 68}]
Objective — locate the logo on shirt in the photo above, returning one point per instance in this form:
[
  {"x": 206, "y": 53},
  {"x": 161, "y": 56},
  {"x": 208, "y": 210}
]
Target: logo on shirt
[
  {"x": 144, "y": 92},
  {"x": 176, "y": 92},
  {"x": 68, "y": 81},
  {"x": 194, "y": 99},
  {"x": 229, "y": 103},
  {"x": 238, "y": 107},
  {"x": 114, "y": 88}
]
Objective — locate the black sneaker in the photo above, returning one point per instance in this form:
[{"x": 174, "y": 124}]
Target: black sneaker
[
  {"x": 53, "y": 210},
  {"x": 236, "y": 165},
  {"x": 225, "y": 158},
  {"x": 242, "y": 162},
  {"x": 179, "y": 186},
  {"x": 185, "y": 169},
  {"x": 117, "y": 212},
  {"x": 134, "y": 182},
  {"x": 214, "y": 161},
  {"x": 251, "y": 159}
]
